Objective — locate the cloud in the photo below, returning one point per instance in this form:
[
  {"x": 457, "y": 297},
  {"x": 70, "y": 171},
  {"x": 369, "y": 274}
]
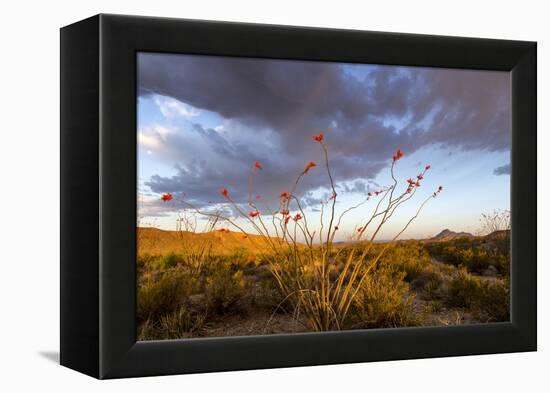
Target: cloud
[
  {"x": 271, "y": 107},
  {"x": 462, "y": 107},
  {"x": 171, "y": 108},
  {"x": 151, "y": 206},
  {"x": 153, "y": 137},
  {"x": 502, "y": 170}
]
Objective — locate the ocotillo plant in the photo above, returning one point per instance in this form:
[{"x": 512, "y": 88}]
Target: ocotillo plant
[{"x": 300, "y": 258}]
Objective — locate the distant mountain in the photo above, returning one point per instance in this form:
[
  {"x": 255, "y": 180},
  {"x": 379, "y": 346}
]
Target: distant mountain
[{"x": 447, "y": 234}]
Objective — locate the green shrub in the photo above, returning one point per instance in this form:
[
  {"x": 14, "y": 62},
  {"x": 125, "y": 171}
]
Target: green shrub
[
  {"x": 175, "y": 325},
  {"x": 163, "y": 294},
  {"x": 476, "y": 255},
  {"x": 475, "y": 260},
  {"x": 409, "y": 257},
  {"x": 268, "y": 295},
  {"x": 224, "y": 289},
  {"x": 463, "y": 289},
  {"x": 430, "y": 280},
  {"x": 493, "y": 301},
  {"x": 168, "y": 261},
  {"x": 384, "y": 301},
  {"x": 502, "y": 263},
  {"x": 434, "y": 307},
  {"x": 488, "y": 298},
  {"x": 432, "y": 290}
]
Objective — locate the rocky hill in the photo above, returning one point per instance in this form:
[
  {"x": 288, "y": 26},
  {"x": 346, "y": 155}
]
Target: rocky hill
[{"x": 447, "y": 234}]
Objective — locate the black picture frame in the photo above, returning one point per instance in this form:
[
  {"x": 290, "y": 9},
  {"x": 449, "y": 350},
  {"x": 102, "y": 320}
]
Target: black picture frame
[{"x": 98, "y": 196}]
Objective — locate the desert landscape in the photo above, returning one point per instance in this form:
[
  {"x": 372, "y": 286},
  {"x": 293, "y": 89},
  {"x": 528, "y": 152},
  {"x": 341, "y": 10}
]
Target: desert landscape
[
  {"x": 216, "y": 284},
  {"x": 279, "y": 196}
]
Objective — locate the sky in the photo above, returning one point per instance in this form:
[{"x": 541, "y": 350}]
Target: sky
[{"x": 204, "y": 120}]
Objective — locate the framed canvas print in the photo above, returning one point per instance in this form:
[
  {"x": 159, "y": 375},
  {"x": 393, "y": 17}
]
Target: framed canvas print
[{"x": 240, "y": 196}]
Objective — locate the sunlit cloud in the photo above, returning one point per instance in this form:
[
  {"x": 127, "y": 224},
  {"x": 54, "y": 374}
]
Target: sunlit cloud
[{"x": 171, "y": 108}]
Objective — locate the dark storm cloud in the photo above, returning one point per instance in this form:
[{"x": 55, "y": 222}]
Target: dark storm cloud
[
  {"x": 502, "y": 170},
  {"x": 365, "y": 115},
  {"x": 201, "y": 179},
  {"x": 279, "y": 94}
]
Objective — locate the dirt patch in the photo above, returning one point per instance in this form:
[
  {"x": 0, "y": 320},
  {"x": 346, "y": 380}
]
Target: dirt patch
[{"x": 252, "y": 325}]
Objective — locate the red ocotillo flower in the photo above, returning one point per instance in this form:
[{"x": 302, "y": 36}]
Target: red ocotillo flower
[
  {"x": 254, "y": 214},
  {"x": 359, "y": 229},
  {"x": 440, "y": 188},
  {"x": 336, "y": 227},
  {"x": 285, "y": 212},
  {"x": 428, "y": 167},
  {"x": 297, "y": 217},
  {"x": 398, "y": 155},
  {"x": 377, "y": 193},
  {"x": 420, "y": 176},
  {"x": 409, "y": 190},
  {"x": 166, "y": 197},
  {"x": 287, "y": 219},
  {"x": 257, "y": 165},
  {"x": 369, "y": 194},
  {"x": 417, "y": 184},
  {"x": 224, "y": 192},
  {"x": 410, "y": 181},
  {"x": 285, "y": 196},
  {"x": 309, "y": 166},
  {"x": 319, "y": 137}
]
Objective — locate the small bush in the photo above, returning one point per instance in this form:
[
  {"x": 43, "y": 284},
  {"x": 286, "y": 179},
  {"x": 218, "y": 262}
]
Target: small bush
[
  {"x": 432, "y": 290},
  {"x": 476, "y": 255},
  {"x": 224, "y": 289},
  {"x": 429, "y": 282},
  {"x": 410, "y": 258},
  {"x": 268, "y": 296},
  {"x": 493, "y": 301},
  {"x": 502, "y": 263},
  {"x": 175, "y": 325},
  {"x": 384, "y": 302},
  {"x": 168, "y": 261},
  {"x": 463, "y": 289},
  {"x": 489, "y": 298},
  {"x": 163, "y": 294},
  {"x": 475, "y": 260},
  {"x": 433, "y": 307}
]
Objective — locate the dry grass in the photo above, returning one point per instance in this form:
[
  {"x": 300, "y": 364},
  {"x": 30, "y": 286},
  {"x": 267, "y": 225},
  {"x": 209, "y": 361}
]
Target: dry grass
[{"x": 230, "y": 294}]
